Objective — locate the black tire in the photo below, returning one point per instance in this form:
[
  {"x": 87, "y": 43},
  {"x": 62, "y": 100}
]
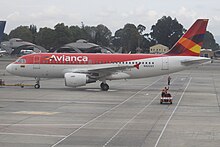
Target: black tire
[
  {"x": 37, "y": 86},
  {"x": 101, "y": 85},
  {"x": 104, "y": 87}
]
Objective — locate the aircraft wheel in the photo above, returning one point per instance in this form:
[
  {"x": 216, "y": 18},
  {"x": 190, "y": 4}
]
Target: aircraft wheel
[
  {"x": 37, "y": 86},
  {"x": 101, "y": 85},
  {"x": 104, "y": 87}
]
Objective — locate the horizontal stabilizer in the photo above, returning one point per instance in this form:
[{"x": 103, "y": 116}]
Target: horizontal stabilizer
[{"x": 195, "y": 61}]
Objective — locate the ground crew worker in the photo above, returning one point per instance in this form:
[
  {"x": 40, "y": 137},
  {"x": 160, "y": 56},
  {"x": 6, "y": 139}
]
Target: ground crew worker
[
  {"x": 168, "y": 80},
  {"x": 164, "y": 91}
]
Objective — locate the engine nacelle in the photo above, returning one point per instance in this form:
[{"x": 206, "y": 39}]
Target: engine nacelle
[{"x": 77, "y": 79}]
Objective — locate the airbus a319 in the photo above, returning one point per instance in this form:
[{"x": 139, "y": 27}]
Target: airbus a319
[{"x": 79, "y": 69}]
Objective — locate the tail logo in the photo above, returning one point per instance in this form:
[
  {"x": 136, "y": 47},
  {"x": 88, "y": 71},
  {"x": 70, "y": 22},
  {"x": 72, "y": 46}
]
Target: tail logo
[
  {"x": 191, "y": 42},
  {"x": 190, "y": 45}
]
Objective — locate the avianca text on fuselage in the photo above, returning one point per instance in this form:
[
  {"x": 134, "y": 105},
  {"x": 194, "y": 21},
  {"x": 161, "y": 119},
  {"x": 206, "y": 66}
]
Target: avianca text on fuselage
[{"x": 68, "y": 58}]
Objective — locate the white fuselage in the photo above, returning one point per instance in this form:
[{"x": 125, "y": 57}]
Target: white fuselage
[{"x": 149, "y": 67}]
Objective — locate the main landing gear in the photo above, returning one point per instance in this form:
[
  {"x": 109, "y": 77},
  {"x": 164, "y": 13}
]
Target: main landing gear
[
  {"x": 104, "y": 86},
  {"x": 37, "y": 85}
]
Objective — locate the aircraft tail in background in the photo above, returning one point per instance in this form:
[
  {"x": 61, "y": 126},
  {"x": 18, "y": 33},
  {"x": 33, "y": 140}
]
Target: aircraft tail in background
[
  {"x": 191, "y": 42},
  {"x": 2, "y": 28}
]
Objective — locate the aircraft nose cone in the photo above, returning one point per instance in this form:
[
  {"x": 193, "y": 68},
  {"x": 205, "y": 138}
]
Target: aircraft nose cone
[{"x": 9, "y": 68}]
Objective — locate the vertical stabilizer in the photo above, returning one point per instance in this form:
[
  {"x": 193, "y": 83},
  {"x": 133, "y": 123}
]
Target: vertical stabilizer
[{"x": 191, "y": 42}]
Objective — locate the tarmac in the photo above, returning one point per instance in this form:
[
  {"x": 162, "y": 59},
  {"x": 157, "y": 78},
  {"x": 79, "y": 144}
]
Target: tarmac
[{"x": 128, "y": 115}]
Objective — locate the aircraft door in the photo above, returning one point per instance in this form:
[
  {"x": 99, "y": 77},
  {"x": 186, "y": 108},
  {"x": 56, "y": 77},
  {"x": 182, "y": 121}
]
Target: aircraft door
[
  {"x": 165, "y": 63},
  {"x": 36, "y": 62}
]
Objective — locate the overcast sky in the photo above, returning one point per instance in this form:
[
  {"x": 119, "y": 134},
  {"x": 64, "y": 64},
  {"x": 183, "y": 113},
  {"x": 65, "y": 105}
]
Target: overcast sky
[{"x": 112, "y": 13}]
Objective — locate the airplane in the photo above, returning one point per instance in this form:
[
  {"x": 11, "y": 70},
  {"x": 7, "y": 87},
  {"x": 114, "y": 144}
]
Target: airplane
[{"x": 79, "y": 69}]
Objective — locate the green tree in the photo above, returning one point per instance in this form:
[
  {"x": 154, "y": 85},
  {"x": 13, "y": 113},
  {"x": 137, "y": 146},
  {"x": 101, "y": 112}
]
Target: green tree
[
  {"x": 89, "y": 33},
  {"x": 141, "y": 28},
  {"x": 46, "y": 38},
  {"x": 209, "y": 42},
  {"x": 100, "y": 34},
  {"x": 146, "y": 43},
  {"x": 22, "y": 32},
  {"x": 33, "y": 29},
  {"x": 62, "y": 35},
  {"x": 127, "y": 38},
  {"x": 116, "y": 41},
  {"x": 131, "y": 37},
  {"x": 76, "y": 33},
  {"x": 167, "y": 31},
  {"x": 103, "y": 35},
  {"x": 5, "y": 37}
]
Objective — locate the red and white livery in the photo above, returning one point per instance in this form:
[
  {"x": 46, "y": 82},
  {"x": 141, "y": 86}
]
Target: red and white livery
[{"x": 78, "y": 69}]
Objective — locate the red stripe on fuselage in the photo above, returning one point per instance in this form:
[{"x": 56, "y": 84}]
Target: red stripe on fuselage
[{"x": 67, "y": 58}]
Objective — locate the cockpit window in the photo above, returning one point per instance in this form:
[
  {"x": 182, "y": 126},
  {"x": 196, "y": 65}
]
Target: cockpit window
[{"x": 20, "y": 60}]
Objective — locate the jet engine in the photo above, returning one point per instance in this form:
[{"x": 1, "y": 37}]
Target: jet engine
[{"x": 77, "y": 79}]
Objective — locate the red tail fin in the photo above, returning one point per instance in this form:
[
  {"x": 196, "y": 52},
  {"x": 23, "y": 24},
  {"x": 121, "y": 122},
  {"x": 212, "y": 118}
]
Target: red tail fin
[{"x": 191, "y": 42}]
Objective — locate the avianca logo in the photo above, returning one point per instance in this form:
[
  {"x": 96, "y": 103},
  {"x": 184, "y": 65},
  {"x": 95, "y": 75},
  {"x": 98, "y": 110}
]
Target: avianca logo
[{"x": 66, "y": 58}]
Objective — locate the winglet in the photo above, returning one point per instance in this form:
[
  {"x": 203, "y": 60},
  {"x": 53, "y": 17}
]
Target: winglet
[{"x": 191, "y": 42}]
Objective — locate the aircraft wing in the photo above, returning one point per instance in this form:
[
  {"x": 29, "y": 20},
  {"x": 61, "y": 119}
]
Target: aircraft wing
[
  {"x": 100, "y": 72},
  {"x": 114, "y": 68},
  {"x": 195, "y": 61}
]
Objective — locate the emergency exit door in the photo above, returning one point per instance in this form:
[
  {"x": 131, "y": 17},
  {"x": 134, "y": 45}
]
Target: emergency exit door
[
  {"x": 165, "y": 63},
  {"x": 36, "y": 62}
]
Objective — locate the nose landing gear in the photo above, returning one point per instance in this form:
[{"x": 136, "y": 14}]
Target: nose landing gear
[{"x": 37, "y": 85}]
